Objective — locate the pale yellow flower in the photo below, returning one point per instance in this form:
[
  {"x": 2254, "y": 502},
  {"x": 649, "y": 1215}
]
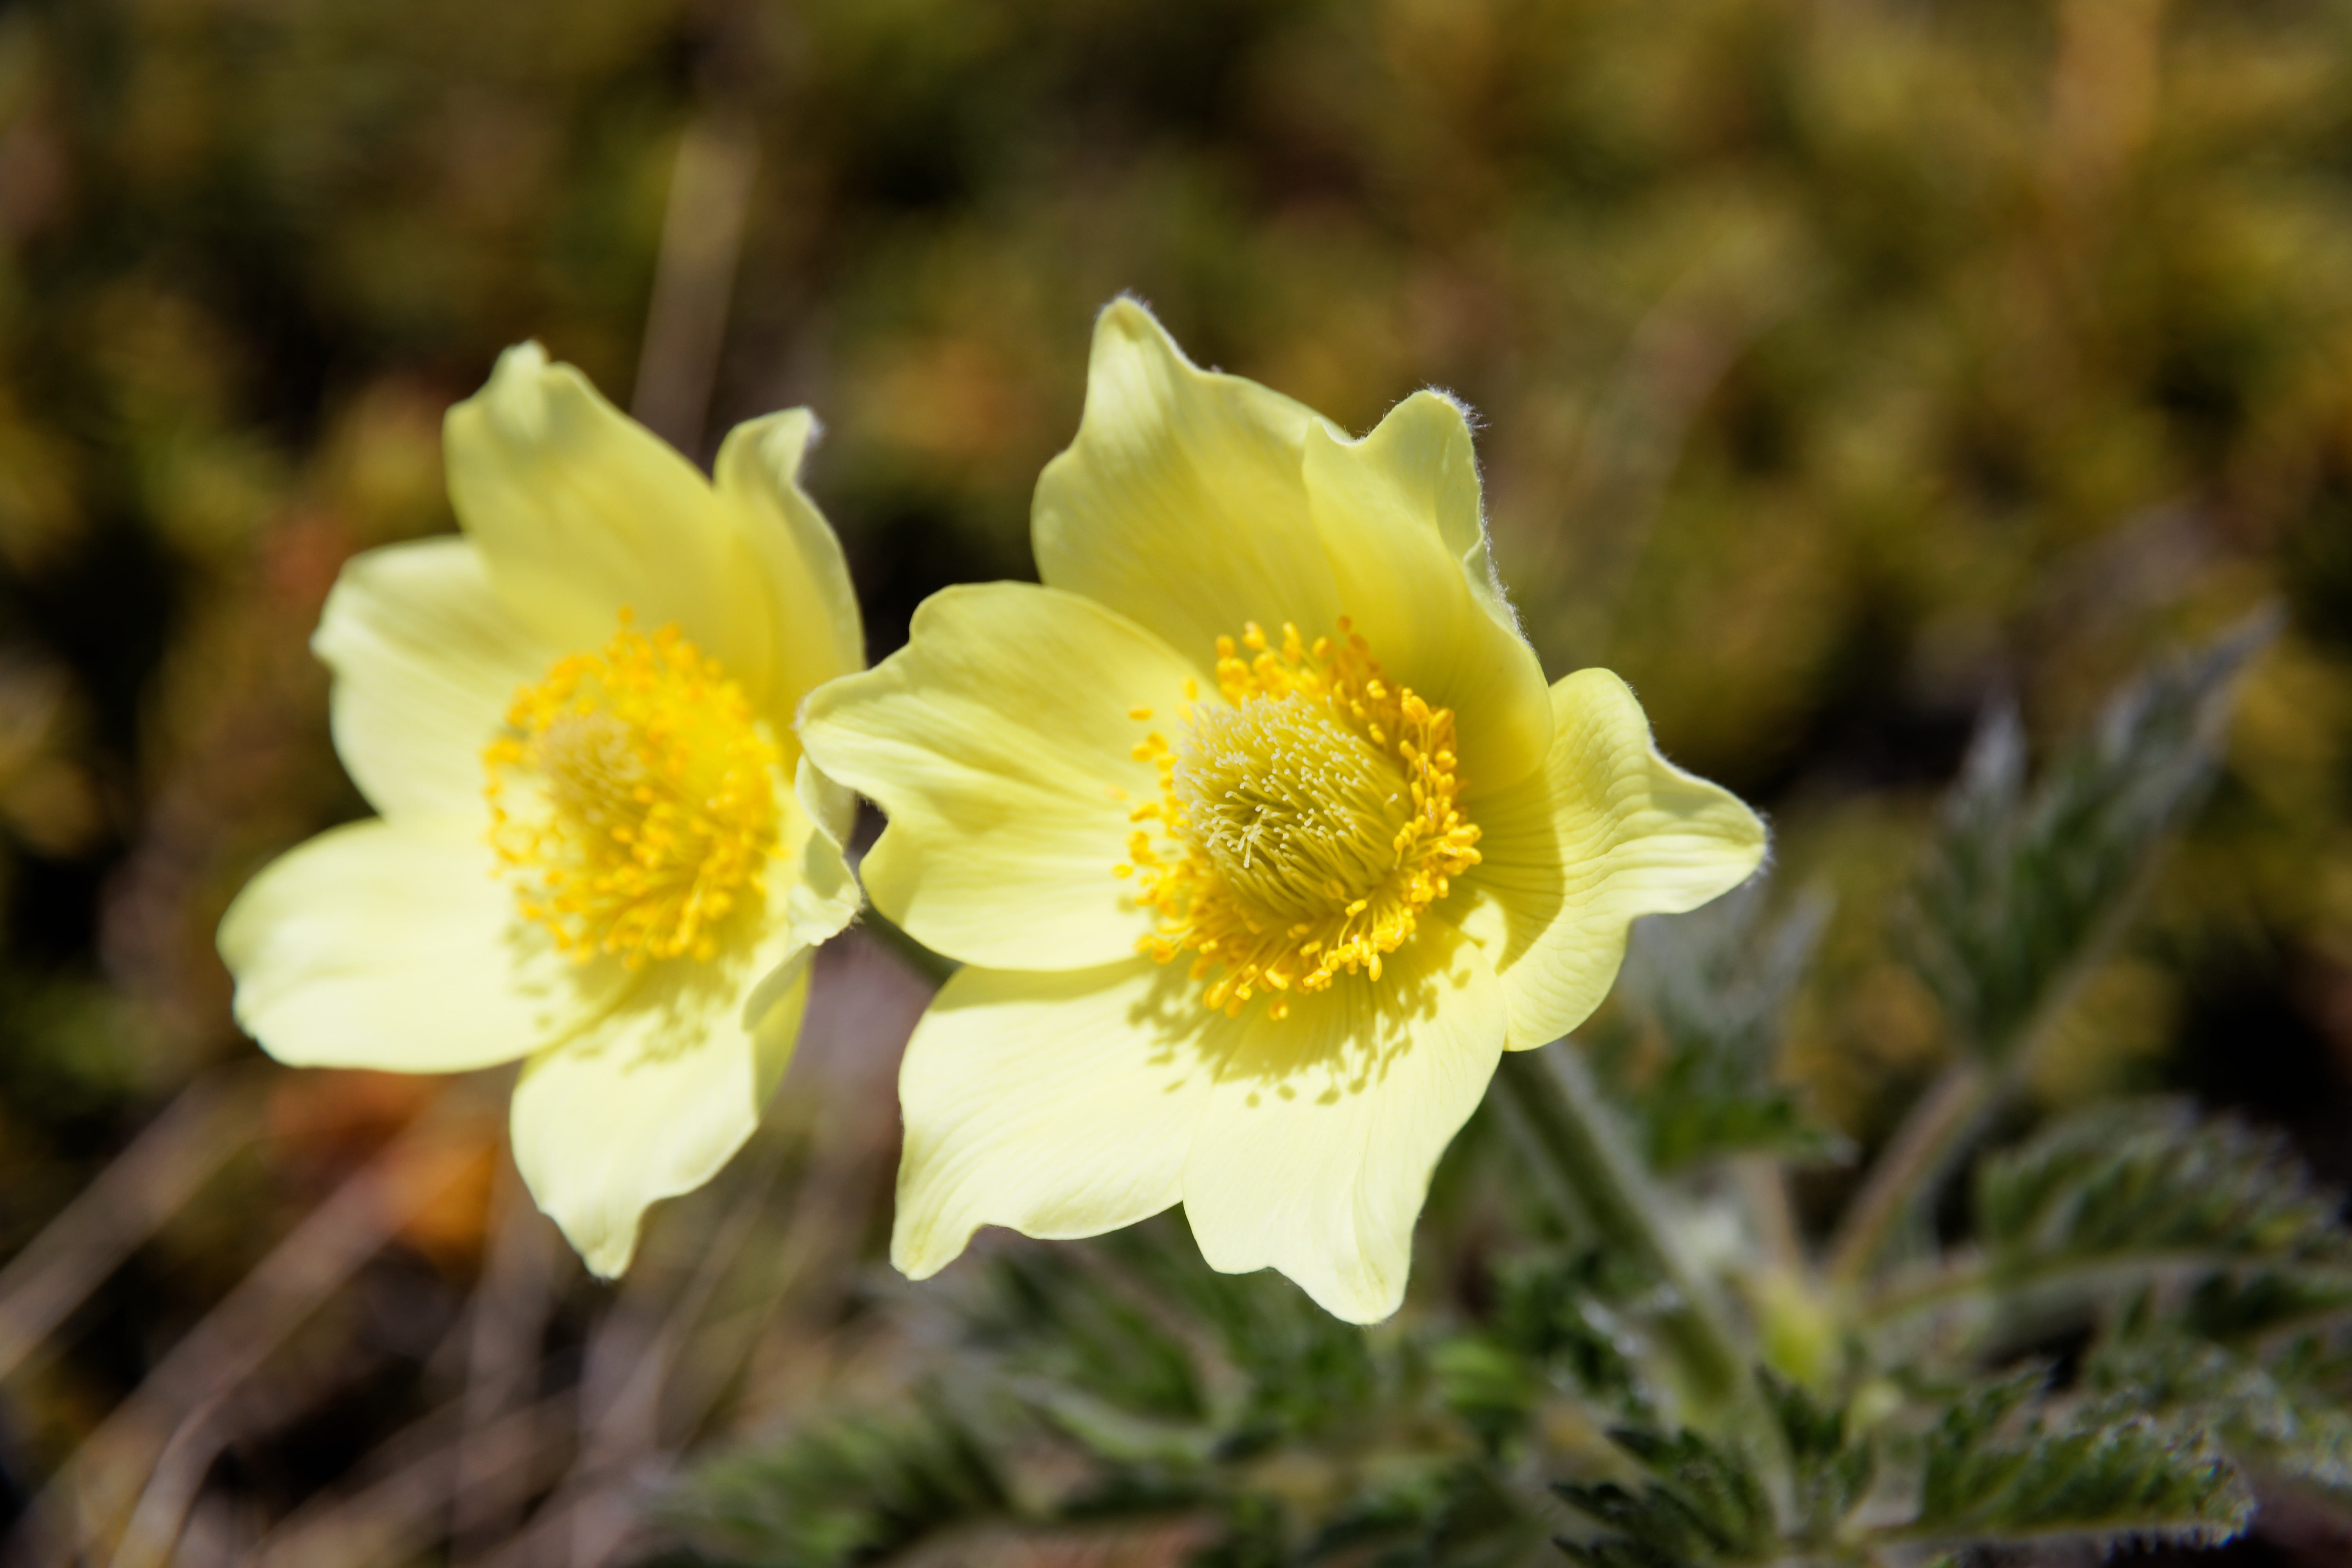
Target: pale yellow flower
[
  {"x": 599, "y": 850},
  {"x": 1257, "y": 828}
]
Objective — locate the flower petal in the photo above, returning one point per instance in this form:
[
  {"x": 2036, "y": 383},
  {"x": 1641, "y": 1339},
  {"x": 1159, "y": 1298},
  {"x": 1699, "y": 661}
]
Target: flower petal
[
  {"x": 1000, "y": 743},
  {"x": 1609, "y": 831},
  {"x": 824, "y": 896},
  {"x": 427, "y": 660},
  {"x": 821, "y": 895},
  {"x": 389, "y": 945},
  {"x": 655, "y": 1098},
  {"x": 812, "y": 610},
  {"x": 1058, "y": 1104},
  {"x": 579, "y": 511},
  {"x": 1313, "y": 1153},
  {"x": 1180, "y": 504},
  {"x": 1400, "y": 515}
]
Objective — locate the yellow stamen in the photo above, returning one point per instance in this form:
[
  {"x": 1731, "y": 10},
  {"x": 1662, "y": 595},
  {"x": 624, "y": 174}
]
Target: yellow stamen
[
  {"x": 1313, "y": 814},
  {"x": 650, "y": 792}
]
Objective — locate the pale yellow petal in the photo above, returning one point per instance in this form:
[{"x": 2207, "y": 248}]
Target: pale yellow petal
[
  {"x": 812, "y": 895},
  {"x": 1400, "y": 515},
  {"x": 1057, "y": 1104},
  {"x": 1609, "y": 831},
  {"x": 1181, "y": 504},
  {"x": 426, "y": 660},
  {"x": 812, "y": 610},
  {"x": 579, "y": 511},
  {"x": 824, "y": 897},
  {"x": 1313, "y": 1153},
  {"x": 389, "y": 945},
  {"x": 655, "y": 1098},
  {"x": 1000, "y": 741}
]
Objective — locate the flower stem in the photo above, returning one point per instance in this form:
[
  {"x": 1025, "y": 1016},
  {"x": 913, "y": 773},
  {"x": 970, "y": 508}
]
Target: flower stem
[
  {"x": 1915, "y": 1163},
  {"x": 1572, "y": 1135}
]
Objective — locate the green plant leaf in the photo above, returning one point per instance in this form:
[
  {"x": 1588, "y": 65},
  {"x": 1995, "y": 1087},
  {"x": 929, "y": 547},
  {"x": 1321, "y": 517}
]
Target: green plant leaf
[
  {"x": 2025, "y": 886},
  {"x": 2286, "y": 1416},
  {"x": 2153, "y": 1181},
  {"x": 1830, "y": 1469},
  {"x": 1709, "y": 994},
  {"x": 1997, "y": 1468},
  {"x": 1055, "y": 1318},
  {"x": 1699, "y": 1504},
  {"x": 856, "y": 1490}
]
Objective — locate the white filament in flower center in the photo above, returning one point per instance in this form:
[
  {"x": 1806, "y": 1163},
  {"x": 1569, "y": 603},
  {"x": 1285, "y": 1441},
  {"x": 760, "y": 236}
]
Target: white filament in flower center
[
  {"x": 1293, "y": 808},
  {"x": 592, "y": 769}
]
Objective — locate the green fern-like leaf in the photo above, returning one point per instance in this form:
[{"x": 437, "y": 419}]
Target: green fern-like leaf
[
  {"x": 1052, "y": 1317},
  {"x": 1997, "y": 1469},
  {"x": 855, "y": 1492},
  {"x": 1712, "y": 989},
  {"x": 1830, "y": 1469},
  {"x": 2281, "y": 1416},
  {"x": 1303, "y": 1371},
  {"x": 2025, "y": 885},
  {"x": 2152, "y": 1180},
  {"x": 1699, "y": 1505},
  {"x": 1444, "y": 1516}
]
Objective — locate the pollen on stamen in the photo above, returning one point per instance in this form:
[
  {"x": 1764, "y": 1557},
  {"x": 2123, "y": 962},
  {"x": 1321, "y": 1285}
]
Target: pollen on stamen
[
  {"x": 651, "y": 792},
  {"x": 1309, "y": 819}
]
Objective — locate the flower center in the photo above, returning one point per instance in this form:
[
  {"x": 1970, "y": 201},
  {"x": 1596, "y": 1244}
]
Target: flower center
[
  {"x": 1306, "y": 820},
  {"x": 647, "y": 803}
]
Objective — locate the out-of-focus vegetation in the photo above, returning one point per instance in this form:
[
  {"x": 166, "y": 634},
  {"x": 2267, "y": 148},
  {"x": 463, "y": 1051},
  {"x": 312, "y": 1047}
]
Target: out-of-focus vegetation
[{"x": 1846, "y": 366}]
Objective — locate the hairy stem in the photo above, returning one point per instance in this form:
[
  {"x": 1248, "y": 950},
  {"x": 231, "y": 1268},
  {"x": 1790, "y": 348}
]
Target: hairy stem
[
  {"x": 1960, "y": 1103},
  {"x": 1914, "y": 1161},
  {"x": 1573, "y": 1137}
]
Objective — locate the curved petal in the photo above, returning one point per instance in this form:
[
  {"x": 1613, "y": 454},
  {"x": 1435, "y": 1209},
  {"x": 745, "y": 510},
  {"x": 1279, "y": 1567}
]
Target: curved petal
[
  {"x": 820, "y": 894},
  {"x": 427, "y": 660},
  {"x": 1182, "y": 504},
  {"x": 810, "y": 609},
  {"x": 1609, "y": 831},
  {"x": 1400, "y": 514},
  {"x": 579, "y": 511},
  {"x": 389, "y": 945},
  {"x": 824, "y": 896},
  {"x": 1315, "y": 1152},
  {"x": 657, "y": 1097},
  {"x": 1000, "y": 741},
  {"x": 1059, "y": 1104}
]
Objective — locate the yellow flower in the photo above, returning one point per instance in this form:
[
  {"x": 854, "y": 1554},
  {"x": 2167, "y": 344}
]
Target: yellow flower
[
  {"x": 1257, "y": 829},
  {"x": 599, "y": 850}
]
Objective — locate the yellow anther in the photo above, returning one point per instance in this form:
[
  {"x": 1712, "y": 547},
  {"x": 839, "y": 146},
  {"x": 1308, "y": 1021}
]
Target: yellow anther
[
  {"x": 1310, "y": 817},
  {"x": 647, "y": 809},
  {"x": 1139, "y": 714}
]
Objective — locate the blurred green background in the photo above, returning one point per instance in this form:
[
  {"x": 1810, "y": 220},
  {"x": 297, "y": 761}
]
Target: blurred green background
[{"x": 1845, "y": 365}]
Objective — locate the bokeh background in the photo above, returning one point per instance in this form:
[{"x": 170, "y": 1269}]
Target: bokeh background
[{"x": 1844, "y": 366}]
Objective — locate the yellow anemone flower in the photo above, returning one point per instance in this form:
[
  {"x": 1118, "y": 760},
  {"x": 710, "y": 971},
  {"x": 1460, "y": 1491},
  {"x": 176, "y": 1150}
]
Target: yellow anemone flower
[
  {"x": 598, "y": 849},
  {"x": 1256, "y": 828}
]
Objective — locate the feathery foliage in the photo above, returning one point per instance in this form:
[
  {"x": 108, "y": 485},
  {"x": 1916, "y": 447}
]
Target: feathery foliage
[
  {"x": 1710, "y": 993},
  {"x": 1996, "y": 1468},
  {"x": 854, "y": 1492},
  {"x": 2025, "y": 886},
  {"x": 2153, "y": 1180}
]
